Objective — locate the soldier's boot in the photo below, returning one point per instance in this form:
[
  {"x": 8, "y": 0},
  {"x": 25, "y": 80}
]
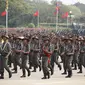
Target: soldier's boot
[
  {"x": 34, "y": 69},
  {"x": 72, "y": 65},
  {"x": 64, "y": 73},
  {"x": 48, "y": 74},
  {"x": 44, "y": 77},
  {"x": 12, "y": 69},
  {"x": 10, "y": 65},
  {"x": 75, "y": 68},
  {"x": 69, "y": 74},
  {"x": 60, "y": 68},
  {"x": 79, "y": 71},
  {"x": 2, "y": 75},
  {"x": 30, "y": 67},
  {"x": 20, "y": 67},
  {"x": 80, "y": 67},
  {"x": 39, "y": 67},
  {"x": 51, "y": 69},
  {"x": 15, "y": 70},
  {"x": 29, "y": 73},
  {"x": 10, "y": 74},
  {"x": 24, "y": 74}
]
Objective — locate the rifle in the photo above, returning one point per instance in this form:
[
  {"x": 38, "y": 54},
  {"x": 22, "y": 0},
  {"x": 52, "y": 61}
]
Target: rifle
[{"x": 8, "y": 54}]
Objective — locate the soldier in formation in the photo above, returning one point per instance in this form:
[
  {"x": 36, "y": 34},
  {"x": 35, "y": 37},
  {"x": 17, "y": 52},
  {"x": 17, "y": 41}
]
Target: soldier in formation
[{"x": 41, "y": 51}]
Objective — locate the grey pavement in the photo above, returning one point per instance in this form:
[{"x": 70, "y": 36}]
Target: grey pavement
[{"x": 35, "y": 79}]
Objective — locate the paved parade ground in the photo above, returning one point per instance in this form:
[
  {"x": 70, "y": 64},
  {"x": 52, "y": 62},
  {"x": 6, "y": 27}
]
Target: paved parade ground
[{"x": 35, "y": 79}]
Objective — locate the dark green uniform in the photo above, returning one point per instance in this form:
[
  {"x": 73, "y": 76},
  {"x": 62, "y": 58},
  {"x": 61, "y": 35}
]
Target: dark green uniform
[
  {"x": 54, "y": 56},
  {"x": 69, "y": 51},
  {"x": 1, "y": 63},
  {"x": 63, "y": 56},
  {"x": 45, "y": 62},
  {"x": 81, "y": 55},
  {"x": 16, "y": 58},
  {"x": 35, "y": 57},
  {"x": 25, "y": 50},
  {"x": 6, "y": 48}
]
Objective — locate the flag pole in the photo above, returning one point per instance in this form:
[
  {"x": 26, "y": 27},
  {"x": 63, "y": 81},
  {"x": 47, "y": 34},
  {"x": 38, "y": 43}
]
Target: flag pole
[
  {"x": 57, "y": 17},
  {"x": 38, "y": 18},
  {"x": 7, "y": 22},
  {"x": 7, "y": 17},
  {"x": 57, "y": 21},
  {"x": 67, "y": 21}
]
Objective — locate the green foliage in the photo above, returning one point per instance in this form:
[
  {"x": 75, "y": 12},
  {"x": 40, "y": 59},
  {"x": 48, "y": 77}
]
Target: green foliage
[
  {"x": 2, "y": 26},
  {"x": 21, "y": 12},
  {"x": 31, "y": 25},
  {"x": 81, "y": 6},
  {"x": 75, "y": 10}
]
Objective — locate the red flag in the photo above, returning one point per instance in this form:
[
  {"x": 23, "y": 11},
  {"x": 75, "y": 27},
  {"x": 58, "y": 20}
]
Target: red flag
[
  {"x": 55, "y": 13},
  {"x": 36, "y": 13},
  {"x": 3, "y": 13},
  {"x": 57, "y": 8},
  {"x": 65, "y": 15}
]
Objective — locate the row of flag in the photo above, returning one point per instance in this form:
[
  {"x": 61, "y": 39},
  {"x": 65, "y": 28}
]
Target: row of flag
[{"x": 64, "y": 15}]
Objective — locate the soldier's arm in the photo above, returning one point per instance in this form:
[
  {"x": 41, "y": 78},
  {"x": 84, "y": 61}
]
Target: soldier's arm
[{"x": 9, "y": 48}]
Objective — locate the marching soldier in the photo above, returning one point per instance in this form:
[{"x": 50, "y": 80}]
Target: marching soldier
[
  {"x": 81, "y": 54},
  {"x": 76, "y": 54},
  {"x": 69, "y": 51},
  {"x": 45, "y": 59},
  {"x": 10, "y": 56},
  {"x": 83, "y": 57},
  {"x": 25, "y": 51},
  {"x": 35, "y": 57},
  {"x": 63, "y": 56},
  {"x": 17, "y": 54},
  {"x": 55, "y": 54},
  {"x": 5, "y": 52},
  {"x": 1, "y": 61}
]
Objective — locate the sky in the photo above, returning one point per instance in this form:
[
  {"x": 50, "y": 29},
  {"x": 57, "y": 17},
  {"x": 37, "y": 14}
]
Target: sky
[{"x": 69, "y": 1}]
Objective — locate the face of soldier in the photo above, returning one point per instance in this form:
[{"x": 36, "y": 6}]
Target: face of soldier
[
  {"x": 25, "y": 42},
  {"x": 17, "y": 40},
  {"x": 5, "y": 39},
  {"x": 69, "y": 42},
  {"x": 36, "y": 41},
  {"x": 46, "y": 42}
]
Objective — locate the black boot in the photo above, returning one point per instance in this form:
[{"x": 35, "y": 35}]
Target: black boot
[
  {"x": 10, "y": 74},
  {"x": 34, "y": 70},
  {"x": 80, "y": 70},
  {"x": 2, "y": 76},
  {"x": 44, "y": 76},
  {"x": 48, "y": 74},
  {"x": 30, "y": 67},
  {"x": 64, "y": 73},
  {"x": 60, "y": 67},
  {"x": 15, "y": 70},
  {"x": 75, "y": 68},
  {"x": 52, "y": 71},
  {"x": 24, "y": 75},
  {"x": 69, "y": 74},
  {"x": 39, "y": 67},
  {"x": 72, "y": 65},
  {"x": 29, "y": 73}
]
